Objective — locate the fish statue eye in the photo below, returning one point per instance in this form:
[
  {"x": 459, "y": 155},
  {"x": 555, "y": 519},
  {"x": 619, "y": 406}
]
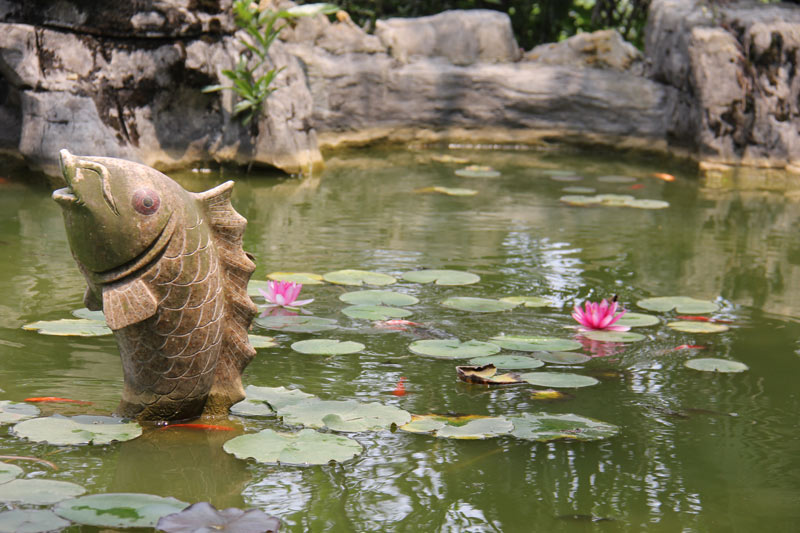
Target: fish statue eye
[{"x": 146, "y": 201}]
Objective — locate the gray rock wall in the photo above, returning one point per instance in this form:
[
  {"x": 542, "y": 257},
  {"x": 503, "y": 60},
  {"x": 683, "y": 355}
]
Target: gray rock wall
[{"x": 734, "y": 67}]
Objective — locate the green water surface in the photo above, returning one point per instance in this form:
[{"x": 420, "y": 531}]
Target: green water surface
[{"x": 697, "y": 452}]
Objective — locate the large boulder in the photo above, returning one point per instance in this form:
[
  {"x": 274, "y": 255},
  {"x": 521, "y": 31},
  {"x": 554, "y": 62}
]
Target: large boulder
[
  {"x": 735, "y": 72},
  {"x": 139, "y": 97},
  {"x": 604, "y": 49}
]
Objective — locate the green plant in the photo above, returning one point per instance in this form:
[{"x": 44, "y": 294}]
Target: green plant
[{"x": 261, "y": 28}]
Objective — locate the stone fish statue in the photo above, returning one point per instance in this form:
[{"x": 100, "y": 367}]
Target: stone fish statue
[{"x": 167, "y": 268}]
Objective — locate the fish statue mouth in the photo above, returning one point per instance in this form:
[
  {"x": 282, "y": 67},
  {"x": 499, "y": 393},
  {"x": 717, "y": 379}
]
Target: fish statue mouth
[{"x": 65, "y": 196}]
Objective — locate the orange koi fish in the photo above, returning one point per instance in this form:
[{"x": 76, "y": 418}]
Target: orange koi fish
[
  {"x": 55, "y": 399},
  {"x": 400, "y": 390}
]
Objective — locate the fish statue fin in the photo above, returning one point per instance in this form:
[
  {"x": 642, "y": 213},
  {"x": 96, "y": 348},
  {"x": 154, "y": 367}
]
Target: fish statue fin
[
  {"x": 128, "y": 302},
  {"x": 227, "y": 231}
]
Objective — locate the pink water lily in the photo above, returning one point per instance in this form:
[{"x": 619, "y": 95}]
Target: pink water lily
[
  {"x": 283, "y": 294},
  {"x": 599, "y": 316}
]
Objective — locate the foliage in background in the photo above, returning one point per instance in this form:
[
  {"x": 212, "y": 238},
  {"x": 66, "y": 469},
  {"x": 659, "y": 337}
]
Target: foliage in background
[
  {"x": 261, "y": 27},
  {"x": 534, "y": 22}
]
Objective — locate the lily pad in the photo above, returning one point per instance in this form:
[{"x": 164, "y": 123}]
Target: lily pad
[
  {"x": 711, "y": 364},
  {"x": 579, "y": 200},
  {"x": 441, "y": 277},
  {"x": 31, "y": 521},
  {"x": 119, "y": 509},
  {"x": 327, "y": 347},
  {"x": 9, "y": 472},
  {"x": 69, "y": 327},
  {"x": 262, "y": 341},
  {"x": 616, "y": 179},
  {"x": 459, "y": 427},
  {"x": 38, "y": 491},
  {"x": 477, "y": 305},
  {"x": 536, "y": 343},
  {"x": 306, "y": 447},
  {"x": 306, "y": 278},
  {"x": 84, "y": 313},
  {"x": 453, "y": 348},
  {"x": 477, "y": 171},
  {"x": 558, "y": 379},
  {"x": 562, "y": 358},
  {"x": 690, "y": 326},
  {"x": 637, "y": 320},
  {"x": 613, "y": 336},
  {"x": 447, "y": 158},
  {"x": 486, "y": 375},
  {"x": 276, "y": 397},
  {"x": 358, "y": 277},
  {"x": 296, "y": 323},
  {"x": 548, "y": 427},
  {"x": 205, "y": 517},
  {"x": 249, "y": 407},
  {"x": 644, "y": 203},
  {"x": 13, "y": 412},
  {"x": 527, "y": 301},
  {"x": 579, "y": 190},
  {"x": 84, "y": 429},
  {"x": 682, "y": 304},
  {"x": 375, "y": 312},
  {"x": 448, "y": 191},
  {"x": 344, "y": 415},
  {"x": 378, "y": 297},
  {"x": 509, "y": 362}
]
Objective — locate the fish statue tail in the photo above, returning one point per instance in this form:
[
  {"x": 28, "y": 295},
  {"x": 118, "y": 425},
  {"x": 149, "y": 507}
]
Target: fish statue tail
[{"x": 227, "y": 228}]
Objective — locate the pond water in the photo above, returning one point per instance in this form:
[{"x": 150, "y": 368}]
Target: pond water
[{"x": 696, "y": 451}]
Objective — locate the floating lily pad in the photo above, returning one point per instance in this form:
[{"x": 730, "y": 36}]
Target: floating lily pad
[
  {"x": 579, "y": 200},
  {"x": 68, "y": 327},
  {"x": 447, "y": 158},
  {"x": 453, "y": 348},
  {"x": 711, "y": 364},
  {"x": 441, "y": 277},
  {"x": 637, "y": 320},
  {"x": 84, "y": 429},
  {"x": 119, "y": 509},
  {"x": 486, "y": 375},
  {"x": 644, "y": 203},
  {"x": 13, "y": 412},
  {"x": 550, "y": 395},
  {"x": 459, "y": 427},
  {"x": 548, "y": 427},
  {"x": 690, "y": 326},
  {"x": 306, "y": 278},
  {"x": 38, "y": 491},
  {"x": 613, "y": 336},
  {"x": 614, "y": 199},
  {"x": 358, "y": 277},
  {"x": 261, "y": 341},
  {"x": 378, "y": 297},
  {"x": 579, "y": 190},
  {"x": 616, "y": 179},
  {"x": 327, "y": 347},
  {"x": 535, "y": 343},
  {"x": 84, "y": 313},
  {"x": 682, "y": 304},
  {"x": 31, "y": 521},
  {"x": 509, "y": 362},
  {"x": 296, "y": 323},
  {"x": 249, "y": 407},
  {"x": 204, "y": 517},
  {"x": 306, "y": 447},
  {"x": 375, "y": 312},
  {"x": 527, "y": 301},
  {"x": 449, "y": 191},
  {"x": 9, "y": 472},
  {"x": 562, "y": 358},
  {"x": 478, "y": 305},
  {"x": 276, "y": 397},
  {"x": 344, "y": 415},
  {"x": 477, "y": 171},
  {"x": 558, "y": 379}
]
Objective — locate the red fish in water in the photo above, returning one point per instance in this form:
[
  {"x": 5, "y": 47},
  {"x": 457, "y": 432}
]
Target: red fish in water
[
  {"x": 703, "y": 319},
  {"x": 208, "y": 427},
  {"x": 55, "y": 399},
  {"x": 636, "y": 186},
  {"x": 400, "y": 390},
  {"x": 689, "y": 347},
  {"x": 663, "y": 176}
]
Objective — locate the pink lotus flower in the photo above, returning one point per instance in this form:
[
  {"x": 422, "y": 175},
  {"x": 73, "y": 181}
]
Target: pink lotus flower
[
  {"x": 283, "y": 294},
  {"x": 599, "y": 316}
]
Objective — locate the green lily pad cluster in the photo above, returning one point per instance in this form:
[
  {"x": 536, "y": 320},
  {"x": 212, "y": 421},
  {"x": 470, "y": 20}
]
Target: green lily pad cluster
[{"x": 613, "y": 200}]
